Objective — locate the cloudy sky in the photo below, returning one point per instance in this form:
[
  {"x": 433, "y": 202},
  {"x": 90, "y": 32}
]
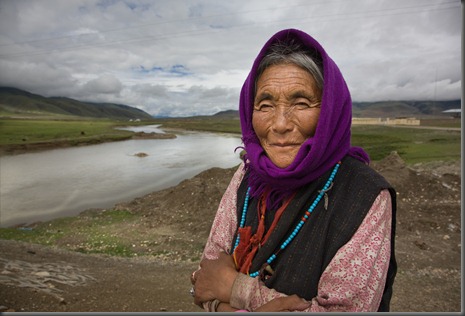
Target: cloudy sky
[{"x": 191, "y": 57}]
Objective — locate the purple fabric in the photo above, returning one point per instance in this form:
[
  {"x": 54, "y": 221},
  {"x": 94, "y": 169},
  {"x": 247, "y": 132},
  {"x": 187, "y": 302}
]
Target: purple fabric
[{"x": 319, "y": 153}]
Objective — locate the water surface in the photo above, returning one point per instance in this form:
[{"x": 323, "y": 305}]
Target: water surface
[{"x": 64, "y": 182}]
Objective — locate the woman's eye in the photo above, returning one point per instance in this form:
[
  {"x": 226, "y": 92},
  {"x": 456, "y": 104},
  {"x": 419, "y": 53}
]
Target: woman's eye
[
  {"x": 264, "y": 107},
  {"x": 302, "y": 105}
]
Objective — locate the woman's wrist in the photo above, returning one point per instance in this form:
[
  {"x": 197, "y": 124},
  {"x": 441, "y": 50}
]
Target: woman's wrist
[
  {"x": 214, "y": 306},
  {"x": 224, "y": 307}
]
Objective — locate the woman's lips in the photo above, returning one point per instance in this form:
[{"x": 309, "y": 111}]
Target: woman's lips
[{"x": 284, "y": 144}]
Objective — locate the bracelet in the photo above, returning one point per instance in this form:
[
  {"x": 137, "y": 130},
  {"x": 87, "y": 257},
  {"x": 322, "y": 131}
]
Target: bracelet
[
  {"x": 242, "y": 311},
  {"x": 214, "y": 305}
]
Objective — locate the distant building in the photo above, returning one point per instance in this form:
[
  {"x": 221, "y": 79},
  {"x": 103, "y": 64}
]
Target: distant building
[
  {"x": 385, "y": 121},
  {"x": 454, "y": 112}
]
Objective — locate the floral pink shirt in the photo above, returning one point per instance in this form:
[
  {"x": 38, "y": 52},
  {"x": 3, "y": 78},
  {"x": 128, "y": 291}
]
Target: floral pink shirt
[{"x": 352, "y": 282}]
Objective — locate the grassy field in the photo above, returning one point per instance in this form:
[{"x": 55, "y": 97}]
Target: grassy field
[
  {"x": 456, "y": 122},
  {"x": 14, "y": 132},
  {"x": 97, "y": 232},
  {"x": 412, "y": 144},
  {"x": 208, "y": 124}
]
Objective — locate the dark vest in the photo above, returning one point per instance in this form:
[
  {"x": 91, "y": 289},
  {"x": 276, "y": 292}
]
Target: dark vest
[{"x": 298, "y": 268}]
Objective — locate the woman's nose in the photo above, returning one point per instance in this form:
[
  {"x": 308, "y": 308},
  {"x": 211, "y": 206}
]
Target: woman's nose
[{"x": 282, "y": 120}]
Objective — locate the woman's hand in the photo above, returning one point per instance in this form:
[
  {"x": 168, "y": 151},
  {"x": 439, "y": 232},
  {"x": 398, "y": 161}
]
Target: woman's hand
[
  {"x": 285, "y": 304},
  {"x": 214, "y": 279}
]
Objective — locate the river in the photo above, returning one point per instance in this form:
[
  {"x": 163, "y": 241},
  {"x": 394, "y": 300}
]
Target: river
[{"x": 64, "y": 182}]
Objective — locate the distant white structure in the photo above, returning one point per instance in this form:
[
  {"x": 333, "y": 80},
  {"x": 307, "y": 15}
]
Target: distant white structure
[
  {"x": 454, "y": 112},
  {"x": 385, "y": 121}
]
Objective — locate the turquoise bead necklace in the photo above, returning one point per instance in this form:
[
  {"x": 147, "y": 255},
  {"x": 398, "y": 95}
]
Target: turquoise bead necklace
[{"x": 321, "y": 193}]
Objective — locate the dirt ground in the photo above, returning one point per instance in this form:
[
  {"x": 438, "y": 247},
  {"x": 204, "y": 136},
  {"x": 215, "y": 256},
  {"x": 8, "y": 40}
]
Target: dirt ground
[{"x": 37, "y": 278}]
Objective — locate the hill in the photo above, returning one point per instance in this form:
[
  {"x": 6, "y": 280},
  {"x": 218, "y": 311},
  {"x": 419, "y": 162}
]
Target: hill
[
  {"x": 16, "y": 101},
  {"x": 403, "y": 108},
  {"x": 228, "y": 114},
  {"x": 386, "y": 109}
]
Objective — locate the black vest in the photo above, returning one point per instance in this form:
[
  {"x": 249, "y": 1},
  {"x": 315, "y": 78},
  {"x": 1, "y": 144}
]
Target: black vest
[{"x": 298, "y": 268}]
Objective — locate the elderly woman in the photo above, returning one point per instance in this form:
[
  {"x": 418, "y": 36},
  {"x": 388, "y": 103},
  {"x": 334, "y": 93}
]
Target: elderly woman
[{"x": 305, "y": 224}]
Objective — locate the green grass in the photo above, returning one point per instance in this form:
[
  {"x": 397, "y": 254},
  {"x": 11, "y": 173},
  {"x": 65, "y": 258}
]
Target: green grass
[
  {"x": 412, "y": 144},
  {"x": 446, "y": 122},
  {"x": 34, "y": 131},
  {"x": 101, "y": 234},
  {"x": 206, "y": 124}
]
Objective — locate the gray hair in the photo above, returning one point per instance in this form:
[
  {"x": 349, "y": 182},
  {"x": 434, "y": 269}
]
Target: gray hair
[{"x": 293, "y": 53}]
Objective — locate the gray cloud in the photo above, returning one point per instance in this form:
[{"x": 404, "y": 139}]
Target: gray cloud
[
  {"x": 185, "y": 58},
  {"x": 104, "y": 84}
]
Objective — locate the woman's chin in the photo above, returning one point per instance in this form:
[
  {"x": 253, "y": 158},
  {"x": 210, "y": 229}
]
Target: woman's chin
[{"x": 282, "y": 163}]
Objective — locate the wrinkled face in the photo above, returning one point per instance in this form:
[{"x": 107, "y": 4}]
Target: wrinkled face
[{"x": 286, "y": 111}]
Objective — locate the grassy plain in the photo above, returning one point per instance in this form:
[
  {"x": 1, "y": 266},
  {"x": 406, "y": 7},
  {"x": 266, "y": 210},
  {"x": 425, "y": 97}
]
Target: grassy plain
[
  {"x": 97, "y": 232},
  {"x": 414, "y": 145},
  {"x": 17, "y": 131},
  {"x": 90, "y": 228}
]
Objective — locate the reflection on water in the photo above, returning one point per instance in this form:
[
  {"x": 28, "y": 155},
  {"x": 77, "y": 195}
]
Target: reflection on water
[
  {"x": 64, "y": 182},
  {"x": 145, "y": 128}
]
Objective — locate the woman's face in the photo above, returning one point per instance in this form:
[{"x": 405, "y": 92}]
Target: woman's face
[{"x": 286, "y": 111}]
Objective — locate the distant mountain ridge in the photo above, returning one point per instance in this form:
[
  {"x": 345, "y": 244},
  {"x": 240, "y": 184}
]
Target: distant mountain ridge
[
  {"x": 14, "y": 100},
  {"x": 416, "y": 109},
  {"x": 403, "y": 108}
]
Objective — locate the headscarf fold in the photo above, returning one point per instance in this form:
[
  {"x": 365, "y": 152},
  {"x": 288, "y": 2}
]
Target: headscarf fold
[{"x": 317, "y": 154}]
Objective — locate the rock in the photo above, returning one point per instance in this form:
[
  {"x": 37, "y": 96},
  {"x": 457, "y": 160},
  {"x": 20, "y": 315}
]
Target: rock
[
  {"x": 141, "y": 155},
  {"x": 421, "y": 244}
]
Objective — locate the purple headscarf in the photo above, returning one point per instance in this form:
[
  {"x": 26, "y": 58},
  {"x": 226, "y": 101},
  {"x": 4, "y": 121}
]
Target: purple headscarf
[{"x": 319, "y": 153}]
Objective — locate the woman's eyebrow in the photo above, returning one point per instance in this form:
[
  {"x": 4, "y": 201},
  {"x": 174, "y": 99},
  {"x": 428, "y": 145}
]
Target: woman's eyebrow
[
  {"x": 263, "y": 96},
  {"x": 266, "y": 96},
  {"x": 302, "y": 94}
]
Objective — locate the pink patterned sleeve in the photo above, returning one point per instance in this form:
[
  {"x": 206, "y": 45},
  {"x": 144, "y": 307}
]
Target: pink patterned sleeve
[
  {"x": 225, "y": 222},
  {"x": 354, "y": 279}
]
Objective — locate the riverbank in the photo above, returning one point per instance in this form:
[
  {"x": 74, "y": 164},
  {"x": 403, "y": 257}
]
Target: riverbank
[
  {"x": 137, "y": 256},
  {"x": 26, "y": 147}
]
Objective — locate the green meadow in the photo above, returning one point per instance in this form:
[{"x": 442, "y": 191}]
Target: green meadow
[
  {"x": 414, "y": 145},
  {"x": 97, "y": 232},
  {"x": 25, "y": 131}
]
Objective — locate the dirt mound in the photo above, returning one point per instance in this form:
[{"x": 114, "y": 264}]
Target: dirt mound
[{"x": 394, "y": 169}]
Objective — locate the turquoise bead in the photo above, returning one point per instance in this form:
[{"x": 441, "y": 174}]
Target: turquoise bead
[{"x": 298, "y": 226}]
